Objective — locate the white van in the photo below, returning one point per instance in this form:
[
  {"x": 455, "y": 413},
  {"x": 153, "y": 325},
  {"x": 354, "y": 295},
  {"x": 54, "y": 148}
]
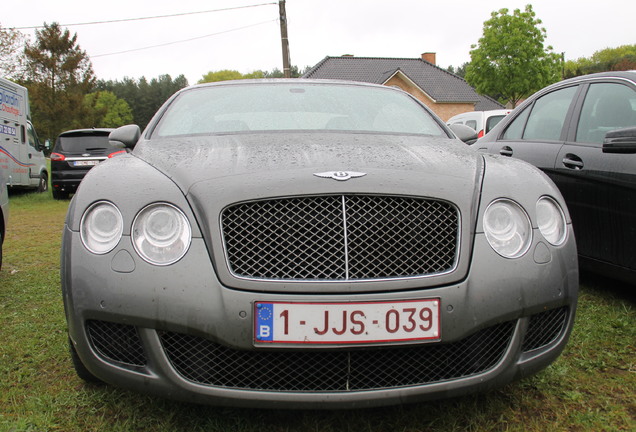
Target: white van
[
  {"x": 4, "y": 211},
  {"x": 21, "y": 158},
  {"x": 481, "y": 121}
]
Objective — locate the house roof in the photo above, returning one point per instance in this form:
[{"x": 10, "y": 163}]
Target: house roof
[{"x": 439, "y": 84}]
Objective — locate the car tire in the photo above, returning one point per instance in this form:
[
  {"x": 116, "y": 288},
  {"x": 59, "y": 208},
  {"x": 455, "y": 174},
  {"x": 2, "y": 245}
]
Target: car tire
[
  {"x": 59, "y": 195},
  {"x": 79, "y": 367},
  {"x": 43, "y": 185}
]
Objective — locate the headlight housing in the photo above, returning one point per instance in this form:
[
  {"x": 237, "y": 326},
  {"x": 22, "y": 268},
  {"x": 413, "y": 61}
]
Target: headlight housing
[
  {"x": 551, "y": 221},
  {"x": 507, "y": 228},
  {"x": 101, "y": 227},
  {"x": 161, "y": 234}
]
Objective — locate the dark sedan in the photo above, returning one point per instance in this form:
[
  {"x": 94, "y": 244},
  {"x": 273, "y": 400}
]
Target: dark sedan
[
  {"x": 582, "y": 133},
  {"x": 76, "y": 152}
]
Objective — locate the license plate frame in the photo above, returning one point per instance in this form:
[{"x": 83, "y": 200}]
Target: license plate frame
[
  {"x": 346, "y": 323},
  {"x": 85, "y": 163}
]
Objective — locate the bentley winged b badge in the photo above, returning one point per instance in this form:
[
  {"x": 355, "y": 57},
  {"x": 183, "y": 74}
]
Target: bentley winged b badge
[{"x": 340, "y": 175}]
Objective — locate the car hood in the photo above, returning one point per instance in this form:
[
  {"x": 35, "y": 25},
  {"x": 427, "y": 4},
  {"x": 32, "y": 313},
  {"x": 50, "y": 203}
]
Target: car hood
[
  {"x": 216, "y": 172},
  {"x": 251, "y": 166}
]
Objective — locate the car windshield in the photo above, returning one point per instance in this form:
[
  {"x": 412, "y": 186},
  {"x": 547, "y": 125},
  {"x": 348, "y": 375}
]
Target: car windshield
[
  {"x": 80, "y": 143},
  {"x": 294, "y": 107}
]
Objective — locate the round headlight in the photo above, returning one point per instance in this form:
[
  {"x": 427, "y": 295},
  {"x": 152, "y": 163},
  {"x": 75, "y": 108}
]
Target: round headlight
[
  {"x": 161, "y": 234},
  {"x": 507, "y": 228},
  {"x": 551, "y": 221},
  {"x": 101, "y": 227}
]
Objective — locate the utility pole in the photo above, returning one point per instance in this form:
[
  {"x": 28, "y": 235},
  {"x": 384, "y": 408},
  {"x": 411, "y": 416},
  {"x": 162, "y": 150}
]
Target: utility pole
[{"x": 284, "y": 39}]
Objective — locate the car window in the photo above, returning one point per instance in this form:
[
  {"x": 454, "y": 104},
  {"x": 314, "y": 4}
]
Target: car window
[
  {"x": 80, "y": 143},
  {"x": 32, "y": 138},
  {"x": 607, "y": 106},
  {"x": 254, "y": 107},
  {"x": 492, "y": 122},
  {"x": 548, "y": 115},
  {"x": 515, "y": 129},
  {"x": 472, "y": 124}
]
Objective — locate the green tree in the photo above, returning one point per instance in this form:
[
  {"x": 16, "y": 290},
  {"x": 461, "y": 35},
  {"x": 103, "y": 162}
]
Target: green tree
[
  {"x": 12, "y": 60},
  {"x": 609, "y": 59},
  {"x": 460, "y": 71},
  {"x": 106, "y": 110},
  {"x": 295, "y": 72},
  {"x": 228, "y": 75},
  {"x": 59, "y": 75},
  {"x": 144, "y": 97},
  {"x": 510, "y": 61}
]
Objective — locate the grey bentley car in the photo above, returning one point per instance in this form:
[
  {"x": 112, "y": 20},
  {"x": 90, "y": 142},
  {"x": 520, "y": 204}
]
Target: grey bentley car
[{"x": 312, "y": 244}]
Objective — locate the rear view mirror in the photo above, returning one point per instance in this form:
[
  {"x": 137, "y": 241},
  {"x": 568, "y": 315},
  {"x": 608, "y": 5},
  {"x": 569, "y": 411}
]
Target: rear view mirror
[
  {"x": 620, "y": 141},
  {"x": 125, "y": 136},
  {"x": 464, "y": 133}
]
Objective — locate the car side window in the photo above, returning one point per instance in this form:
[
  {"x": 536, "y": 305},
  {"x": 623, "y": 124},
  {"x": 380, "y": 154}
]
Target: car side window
[
  {"x": 32, "y": 137},
  {"x": 515, "y": 129},
  {"x": 492, "y": 122},
  {"x": 607, "y": 106},
  {"x": 472, "y": 124},
  {"x": 548, "y": 115}
]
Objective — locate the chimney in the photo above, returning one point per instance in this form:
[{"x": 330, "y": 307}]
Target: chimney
[{"x": 429, "y": 57}]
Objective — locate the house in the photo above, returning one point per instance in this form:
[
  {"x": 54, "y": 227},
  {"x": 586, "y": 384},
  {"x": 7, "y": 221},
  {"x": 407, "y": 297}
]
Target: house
[{"x": 444, "y": 93}]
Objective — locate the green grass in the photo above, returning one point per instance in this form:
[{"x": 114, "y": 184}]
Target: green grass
[{"x": 592, "y": 387}]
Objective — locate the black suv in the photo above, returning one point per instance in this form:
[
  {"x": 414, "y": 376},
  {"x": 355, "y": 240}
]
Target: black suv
[{"x": 76, "y": 152}]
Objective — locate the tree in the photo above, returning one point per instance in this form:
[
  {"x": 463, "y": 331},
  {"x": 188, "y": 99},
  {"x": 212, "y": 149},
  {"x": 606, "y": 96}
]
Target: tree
[
  {"x": 295, "y": 72},
  {"x": 59, "y": 75},
  {"x": 460, "y": 71},
  {"x": 227, "y": 74},
  {"x": 106, "y": 110},
  {"x": 609, "y": 59},
  {"x": 144, "y": 97},
  {"x": 12, "y": 60},
  {"x": 510, "y": 60}
]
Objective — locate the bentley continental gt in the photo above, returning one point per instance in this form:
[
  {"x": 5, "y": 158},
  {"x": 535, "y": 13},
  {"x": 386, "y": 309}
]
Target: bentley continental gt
[{"x": 312, "y": 244}]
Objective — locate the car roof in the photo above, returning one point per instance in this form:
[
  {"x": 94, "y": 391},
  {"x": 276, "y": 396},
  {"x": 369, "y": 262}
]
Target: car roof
[{"x": 628, "y": 75}]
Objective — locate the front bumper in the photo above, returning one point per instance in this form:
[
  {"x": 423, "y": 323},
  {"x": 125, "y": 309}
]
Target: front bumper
[{"x": 177, "y": 332}]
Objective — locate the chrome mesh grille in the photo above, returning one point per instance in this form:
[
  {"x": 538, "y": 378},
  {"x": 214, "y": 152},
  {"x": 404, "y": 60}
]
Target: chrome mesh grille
[
  {"x": 341, "y": 237},
  {"x": 116, "y": 342},
  {"x": 205, "y": 362},
  {"x": 544, "y": 328}
]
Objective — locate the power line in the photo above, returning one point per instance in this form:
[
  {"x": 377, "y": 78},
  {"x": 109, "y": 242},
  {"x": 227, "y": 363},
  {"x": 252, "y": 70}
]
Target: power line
[
  {"x": 150, "y": 17},
  {"x": 184, "y": 40}
]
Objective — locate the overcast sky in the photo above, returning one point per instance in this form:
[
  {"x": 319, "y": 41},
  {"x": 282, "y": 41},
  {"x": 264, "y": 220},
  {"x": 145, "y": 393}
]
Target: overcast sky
[{"x": 248, "y": 38}]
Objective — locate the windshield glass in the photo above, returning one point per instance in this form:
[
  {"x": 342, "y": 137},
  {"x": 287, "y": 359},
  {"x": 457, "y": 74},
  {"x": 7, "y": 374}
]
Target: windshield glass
[{"x": 298, "y": 107}]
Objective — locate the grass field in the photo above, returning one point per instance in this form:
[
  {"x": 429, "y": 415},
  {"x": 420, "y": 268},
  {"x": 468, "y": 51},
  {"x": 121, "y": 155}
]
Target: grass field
[{"x": 592, "y": 387}]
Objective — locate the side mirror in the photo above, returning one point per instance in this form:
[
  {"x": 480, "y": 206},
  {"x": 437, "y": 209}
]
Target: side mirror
[
  {"x": 464, "y": 133},
  {"x": 125, "y": 136},
  {"x": 620, "y": 141}
]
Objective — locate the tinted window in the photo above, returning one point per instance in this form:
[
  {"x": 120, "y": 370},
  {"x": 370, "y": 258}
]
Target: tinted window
[
  {"x": 492, "y": 122},
  {"x": 80, "y": 143},
  {"x": 515, "y": 129},
  {"x": 607, "y": 107},
  {"x": 279, "y": 107},
  {"x": 548, "y": 115}
]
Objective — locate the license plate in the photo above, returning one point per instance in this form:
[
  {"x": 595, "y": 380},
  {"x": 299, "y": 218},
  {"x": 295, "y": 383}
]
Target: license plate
[
  {"x": 85, "y": 163},
  {"x": 346, "y": 323}
]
